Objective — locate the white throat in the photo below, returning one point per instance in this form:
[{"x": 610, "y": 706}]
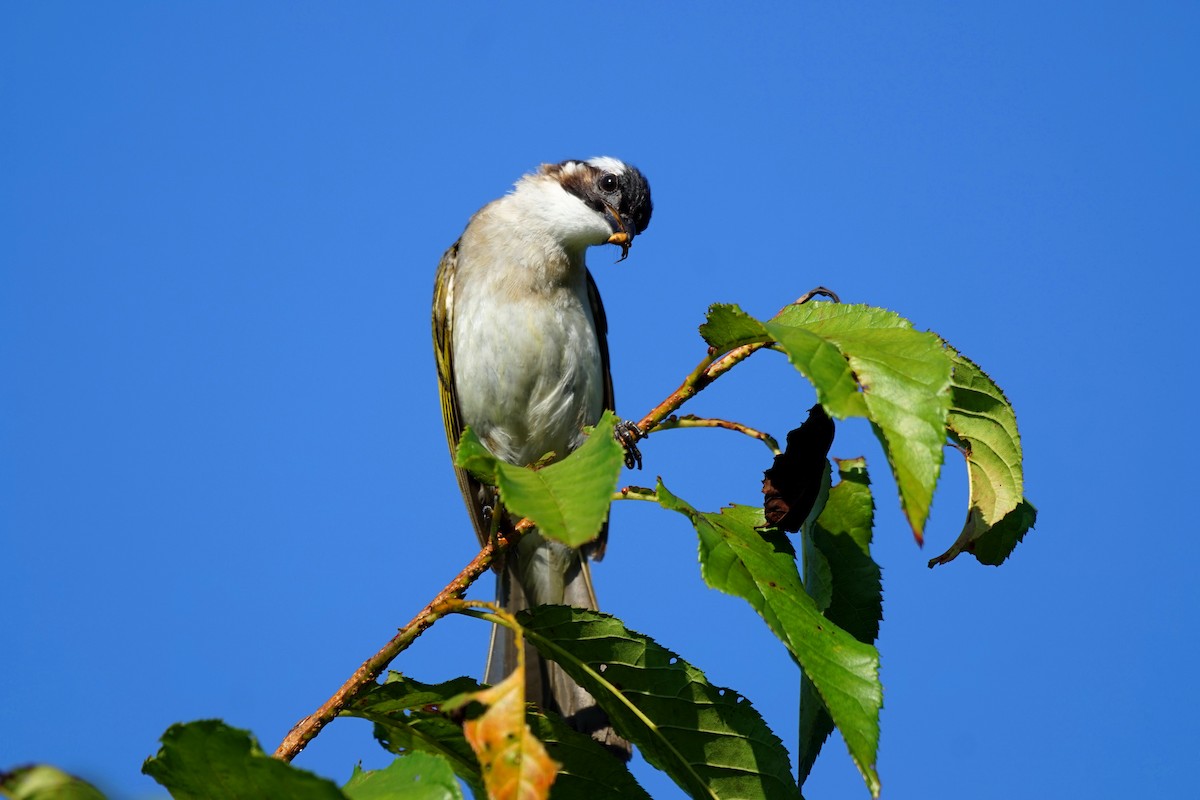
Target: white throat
[{"x": 540, "y": 206}]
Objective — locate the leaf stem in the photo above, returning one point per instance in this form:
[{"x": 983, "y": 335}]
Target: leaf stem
[{"x": 635, "y": 493}]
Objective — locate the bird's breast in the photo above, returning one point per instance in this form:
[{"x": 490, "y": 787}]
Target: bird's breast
[{"x": 527, "y": 369}]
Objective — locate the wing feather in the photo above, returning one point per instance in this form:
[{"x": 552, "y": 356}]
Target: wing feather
[
  {"x": 595, "y": 549},
  {"x": 443, "y": 330}
]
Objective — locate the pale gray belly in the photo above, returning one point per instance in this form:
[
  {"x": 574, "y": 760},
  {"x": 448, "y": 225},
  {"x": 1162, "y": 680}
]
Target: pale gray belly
[{"x": 529, "y": 383}]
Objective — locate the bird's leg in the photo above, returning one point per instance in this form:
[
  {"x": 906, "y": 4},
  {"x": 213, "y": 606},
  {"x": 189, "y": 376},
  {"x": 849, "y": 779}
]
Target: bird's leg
[
  {"x": 628, "y": 433},
  {"x": 491, "y": 511}
]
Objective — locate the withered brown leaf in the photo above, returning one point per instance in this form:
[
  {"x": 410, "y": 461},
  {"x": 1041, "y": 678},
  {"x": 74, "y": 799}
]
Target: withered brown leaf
[{"x": 791, "y": 485}]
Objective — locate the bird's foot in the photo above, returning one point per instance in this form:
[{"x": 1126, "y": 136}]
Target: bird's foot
[{"x": 628, "y": 433}]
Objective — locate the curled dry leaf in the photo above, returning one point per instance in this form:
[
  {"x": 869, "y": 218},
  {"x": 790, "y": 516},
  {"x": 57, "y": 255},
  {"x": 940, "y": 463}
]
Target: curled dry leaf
[{"x": 791, "y": 485}]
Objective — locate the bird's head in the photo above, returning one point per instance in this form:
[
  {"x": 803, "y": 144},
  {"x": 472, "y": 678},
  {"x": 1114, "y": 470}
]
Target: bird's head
[{"x": 616, "y": 194}]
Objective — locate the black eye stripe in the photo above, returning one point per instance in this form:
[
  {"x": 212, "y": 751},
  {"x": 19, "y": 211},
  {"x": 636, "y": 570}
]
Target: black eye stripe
[{"x": 586, "y": 183}]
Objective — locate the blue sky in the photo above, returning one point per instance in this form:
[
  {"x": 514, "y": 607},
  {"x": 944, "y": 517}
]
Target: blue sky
[{"x": 223, "y": 480}]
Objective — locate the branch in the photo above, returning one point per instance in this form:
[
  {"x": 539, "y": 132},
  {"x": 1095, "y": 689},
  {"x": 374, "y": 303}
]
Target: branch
[{"x": 304, "y": 731}]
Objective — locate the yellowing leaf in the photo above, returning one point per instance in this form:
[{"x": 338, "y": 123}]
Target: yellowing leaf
[{"x": 515, "y": 764}]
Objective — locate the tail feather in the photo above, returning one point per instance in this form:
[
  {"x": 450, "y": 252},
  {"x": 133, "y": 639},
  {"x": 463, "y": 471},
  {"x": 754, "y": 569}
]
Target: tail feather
[{"x": 541, "y": 572}]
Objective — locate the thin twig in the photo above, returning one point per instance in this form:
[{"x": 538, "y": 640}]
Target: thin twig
[
  {"x": 692, "y": 421},
  {"x": 713, "y": 367},
  {"x": 820, "y": 290}
]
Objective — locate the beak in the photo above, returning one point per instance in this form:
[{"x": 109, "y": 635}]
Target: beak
[{"x": 622, "y": 238}]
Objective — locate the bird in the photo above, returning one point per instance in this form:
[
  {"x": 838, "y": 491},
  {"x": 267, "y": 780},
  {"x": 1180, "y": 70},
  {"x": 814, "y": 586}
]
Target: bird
[{"x": 520, "y": 340}]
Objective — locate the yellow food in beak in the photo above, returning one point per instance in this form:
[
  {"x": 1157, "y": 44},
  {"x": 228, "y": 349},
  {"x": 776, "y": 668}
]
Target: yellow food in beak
[
  {"x": 621, "y": 238},
  {"x": 624, "y": 240}
]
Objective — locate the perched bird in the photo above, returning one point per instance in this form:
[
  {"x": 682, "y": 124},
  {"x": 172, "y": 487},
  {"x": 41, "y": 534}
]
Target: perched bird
[{"x": 522, "y": 358}]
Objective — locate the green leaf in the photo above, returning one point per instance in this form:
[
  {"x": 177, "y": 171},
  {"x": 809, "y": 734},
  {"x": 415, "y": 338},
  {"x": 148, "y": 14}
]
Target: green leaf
[
  {"x": 982, "y": 422},
  {"x": 904, "y": 377},
  {"x": 417, "y": 776},
  {"x": 208, "y": 760},
  {"x": 838, "y": 559},
  {"x": 568, "y": 499},
  {"x": 864, "y": 362},
  {"x": 42, "y": 782},
  {"x": 760, "y": 567},
  {"x": 996, "y": 544},
  {"x": 842, "y": 533},
  {"x": 726, "y": 326},
  {"x": 477, "y": 459},
  {"x": 709, "y": 740},
  {"x": 587, "y": 769},
  {"x": 407, "y": 720}
]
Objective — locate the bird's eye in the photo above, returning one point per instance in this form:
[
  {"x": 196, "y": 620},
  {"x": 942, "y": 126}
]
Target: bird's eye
[{"x": 608, "y": 183}]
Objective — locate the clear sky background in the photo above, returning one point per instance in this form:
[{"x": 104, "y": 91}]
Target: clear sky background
[{"x": 223, "y": 477}]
